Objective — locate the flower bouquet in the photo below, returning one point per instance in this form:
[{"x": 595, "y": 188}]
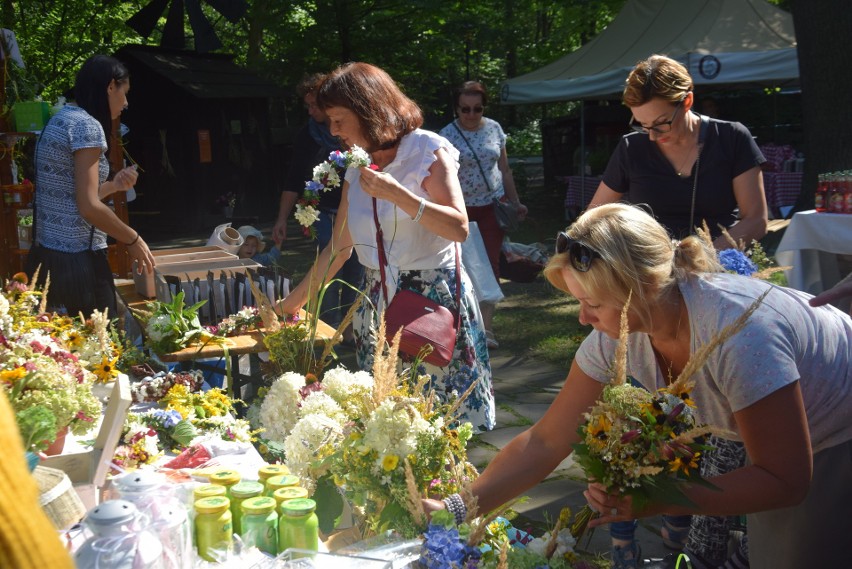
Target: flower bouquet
[
  {"x": 325, "y": 178},
  {"x": 172, "y": 326},
  {"x": 646, "y": 445},
  {"x": 382, "y": 439},
  {"x": 36, "y": 368},
  {"x": 184, "y": 415},
  {"x": 492, "y": 542}
]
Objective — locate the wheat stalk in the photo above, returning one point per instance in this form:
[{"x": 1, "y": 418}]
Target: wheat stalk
[
  {"x": 620, "y": 363},
  {"x": 412, "y": 501},
  {"x": 684, "y": 381}
]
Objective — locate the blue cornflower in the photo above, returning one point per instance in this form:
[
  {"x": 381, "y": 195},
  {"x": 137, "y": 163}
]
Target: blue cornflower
[
  {"x": 312, "y": 186},
  {"x": 339, "y": 158},
  {"x": 737, "y": 262},
  {"x": 169, "y": 418}
]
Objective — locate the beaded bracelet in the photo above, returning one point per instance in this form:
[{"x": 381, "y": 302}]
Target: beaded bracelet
[
  {"x": 455, "y": 505},
  {"x": 420, "y": 210}
]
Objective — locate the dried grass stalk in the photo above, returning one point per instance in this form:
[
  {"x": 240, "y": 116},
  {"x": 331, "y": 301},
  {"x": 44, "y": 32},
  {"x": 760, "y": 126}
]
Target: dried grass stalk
[
  {"x": 385, "y": 362},
  {"x": 620, "y": 363},
  {"x": 480, "y": 526},
  {"x": 684, "y": 381},
  {"x": 503, "y": 559},
  {"x": 412, "y": 501},
  {"x": 265, "y": 309}
]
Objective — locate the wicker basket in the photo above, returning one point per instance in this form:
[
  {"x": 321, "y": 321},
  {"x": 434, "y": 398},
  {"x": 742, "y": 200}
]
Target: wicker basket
[{"x": 58, "y": 498}]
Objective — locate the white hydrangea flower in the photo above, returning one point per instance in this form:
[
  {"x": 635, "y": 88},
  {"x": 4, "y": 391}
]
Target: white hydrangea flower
[
  {"x": 280, "y": 408},
  {"x": 310, "y": 439},
  {"x": 306, "y": 215},
  {"x": 348, "y": 388},
  {"x": 392, "y": 430},
  {"x": 4, "y": 305},
  {"x": 319, "y": 403}
]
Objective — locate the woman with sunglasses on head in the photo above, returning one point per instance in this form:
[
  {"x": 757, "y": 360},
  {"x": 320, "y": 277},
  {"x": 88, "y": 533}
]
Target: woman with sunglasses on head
[
  {"x": 415, "y": 199},
  {"x": 687, "y": 167},
  {"x": 782, "y": 385},
  {"x": 484, "y": 174}
]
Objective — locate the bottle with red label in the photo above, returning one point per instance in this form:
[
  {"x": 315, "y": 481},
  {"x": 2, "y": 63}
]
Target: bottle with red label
[
  {"x": 821, "y": 196},
  {"x": 847, "y": 192},
  {"x": 835, "y": 199}
]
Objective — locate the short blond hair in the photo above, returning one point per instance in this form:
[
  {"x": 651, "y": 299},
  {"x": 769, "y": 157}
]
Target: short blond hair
[{"x": 636, "y": 254}]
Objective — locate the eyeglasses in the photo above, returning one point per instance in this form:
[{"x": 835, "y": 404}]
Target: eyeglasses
[
  {"x": 660, "y": 128},
  {"x": 468, "y": 110},
  {"x": 581, "y": 255}
]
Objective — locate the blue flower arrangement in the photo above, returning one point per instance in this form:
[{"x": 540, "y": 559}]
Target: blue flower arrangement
[{"x": 736, "y": 261}]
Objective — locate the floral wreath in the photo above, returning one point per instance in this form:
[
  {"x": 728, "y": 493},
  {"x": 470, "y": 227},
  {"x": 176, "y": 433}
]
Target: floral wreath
[{"x": 325, "y": 178}]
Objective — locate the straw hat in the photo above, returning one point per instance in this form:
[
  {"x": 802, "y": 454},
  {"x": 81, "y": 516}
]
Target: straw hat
[{"x": 248, "y": 231}]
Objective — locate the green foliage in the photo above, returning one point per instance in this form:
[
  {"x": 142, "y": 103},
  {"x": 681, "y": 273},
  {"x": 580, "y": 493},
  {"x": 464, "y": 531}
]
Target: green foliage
[
  {"x": 37, "y": 425},
  {"x": 524, "y": 140},
  {"x": 329, "y": 504},
  {"x": 428, "y": 46},
  {"x": 171, "y": 326}
]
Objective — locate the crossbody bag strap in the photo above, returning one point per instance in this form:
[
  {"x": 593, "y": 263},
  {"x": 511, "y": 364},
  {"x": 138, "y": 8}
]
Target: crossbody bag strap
[
  {"x": 383, "y": 261},
  {"x": 702, "y": 135},
  {"x": 475, "y": 157}
]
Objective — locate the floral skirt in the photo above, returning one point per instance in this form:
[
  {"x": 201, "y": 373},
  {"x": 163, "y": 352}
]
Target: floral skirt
[{"x": 470, "y": 361}]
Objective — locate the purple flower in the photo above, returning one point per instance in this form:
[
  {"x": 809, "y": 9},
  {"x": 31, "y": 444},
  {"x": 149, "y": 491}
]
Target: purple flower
[
  {"x": 737, "y": 262},
  {"x": 169, "y": 418},
  {"x": 312, "y": 186}
]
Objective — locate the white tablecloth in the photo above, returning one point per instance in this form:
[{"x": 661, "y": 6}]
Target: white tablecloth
[{"x": 811, "y": 245}]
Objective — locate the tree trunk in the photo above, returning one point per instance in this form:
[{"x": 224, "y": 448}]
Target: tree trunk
[{"x": 825, "y": 58}]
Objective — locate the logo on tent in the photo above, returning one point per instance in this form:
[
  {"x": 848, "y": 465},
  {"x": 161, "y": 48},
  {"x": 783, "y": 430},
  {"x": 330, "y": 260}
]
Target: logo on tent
[{"x": 709, "y": 66}]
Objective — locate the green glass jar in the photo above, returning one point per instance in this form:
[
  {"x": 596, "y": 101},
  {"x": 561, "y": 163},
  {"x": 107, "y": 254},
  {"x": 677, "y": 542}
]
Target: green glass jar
[
  {"x": 239, "y": 492},
  {"x": 208, "y": 491},
  {"x": 264, "y": 473},
  {"x": 288, "y": 493},
  {"x": 260, "y": 524},
  {"x": 298, "y": 526},
  {"x": 213, "y": 528},
  {"x": 280, "y": 481},
  {"x": 226, "y": 478}
]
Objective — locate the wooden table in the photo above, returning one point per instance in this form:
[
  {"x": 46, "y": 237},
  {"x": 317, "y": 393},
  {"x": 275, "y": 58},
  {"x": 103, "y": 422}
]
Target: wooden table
[{"x": 242, "y": 344}]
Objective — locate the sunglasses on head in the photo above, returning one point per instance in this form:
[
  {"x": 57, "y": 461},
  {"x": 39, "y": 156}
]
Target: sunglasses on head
[
  {"x": 467, "y": 110},
  {"x": 580, "y": 255}
]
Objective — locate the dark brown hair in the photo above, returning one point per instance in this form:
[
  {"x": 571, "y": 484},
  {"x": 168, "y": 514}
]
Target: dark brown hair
[
  {"x": 658, "y": 76},
  {"x": 385, "y": 113},
  {"x": 470, "y": 88},
  {"x": 309, "y": 84}
]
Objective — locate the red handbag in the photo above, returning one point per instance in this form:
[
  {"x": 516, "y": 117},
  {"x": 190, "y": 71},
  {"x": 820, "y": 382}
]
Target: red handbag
[{"x": 424, "y": 322}]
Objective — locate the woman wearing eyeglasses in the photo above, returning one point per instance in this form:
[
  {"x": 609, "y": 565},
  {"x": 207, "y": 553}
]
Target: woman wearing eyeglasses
[
  {"x": 687, "y": 167},
  {"x": 484, "y": 174},
  {"x": 782, "y": 385}
]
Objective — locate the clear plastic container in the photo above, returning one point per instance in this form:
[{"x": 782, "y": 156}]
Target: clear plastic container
[{"x": 118, "y": 539}]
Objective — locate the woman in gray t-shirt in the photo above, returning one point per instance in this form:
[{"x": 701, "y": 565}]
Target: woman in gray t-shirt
[{"x": 782, "y": 385}]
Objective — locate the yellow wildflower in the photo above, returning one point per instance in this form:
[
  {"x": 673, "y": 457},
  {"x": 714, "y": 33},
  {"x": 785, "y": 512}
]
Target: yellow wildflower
[
  {"x": 684, "y": 464},
  {"x": 11, "y": 376},
  {"x": 389, "y": 462},
  {"x": 106, "y": 370}
]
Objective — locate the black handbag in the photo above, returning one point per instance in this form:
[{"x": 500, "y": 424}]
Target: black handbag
[{"x": 423, "y": 321}]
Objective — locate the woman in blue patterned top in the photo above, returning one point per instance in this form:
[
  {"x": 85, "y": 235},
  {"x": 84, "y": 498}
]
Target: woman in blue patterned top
[{"x": 72, "y": 222}]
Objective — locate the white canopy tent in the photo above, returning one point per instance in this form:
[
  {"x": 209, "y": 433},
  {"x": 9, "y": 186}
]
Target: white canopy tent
[{"x": 722, "y": 42}]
